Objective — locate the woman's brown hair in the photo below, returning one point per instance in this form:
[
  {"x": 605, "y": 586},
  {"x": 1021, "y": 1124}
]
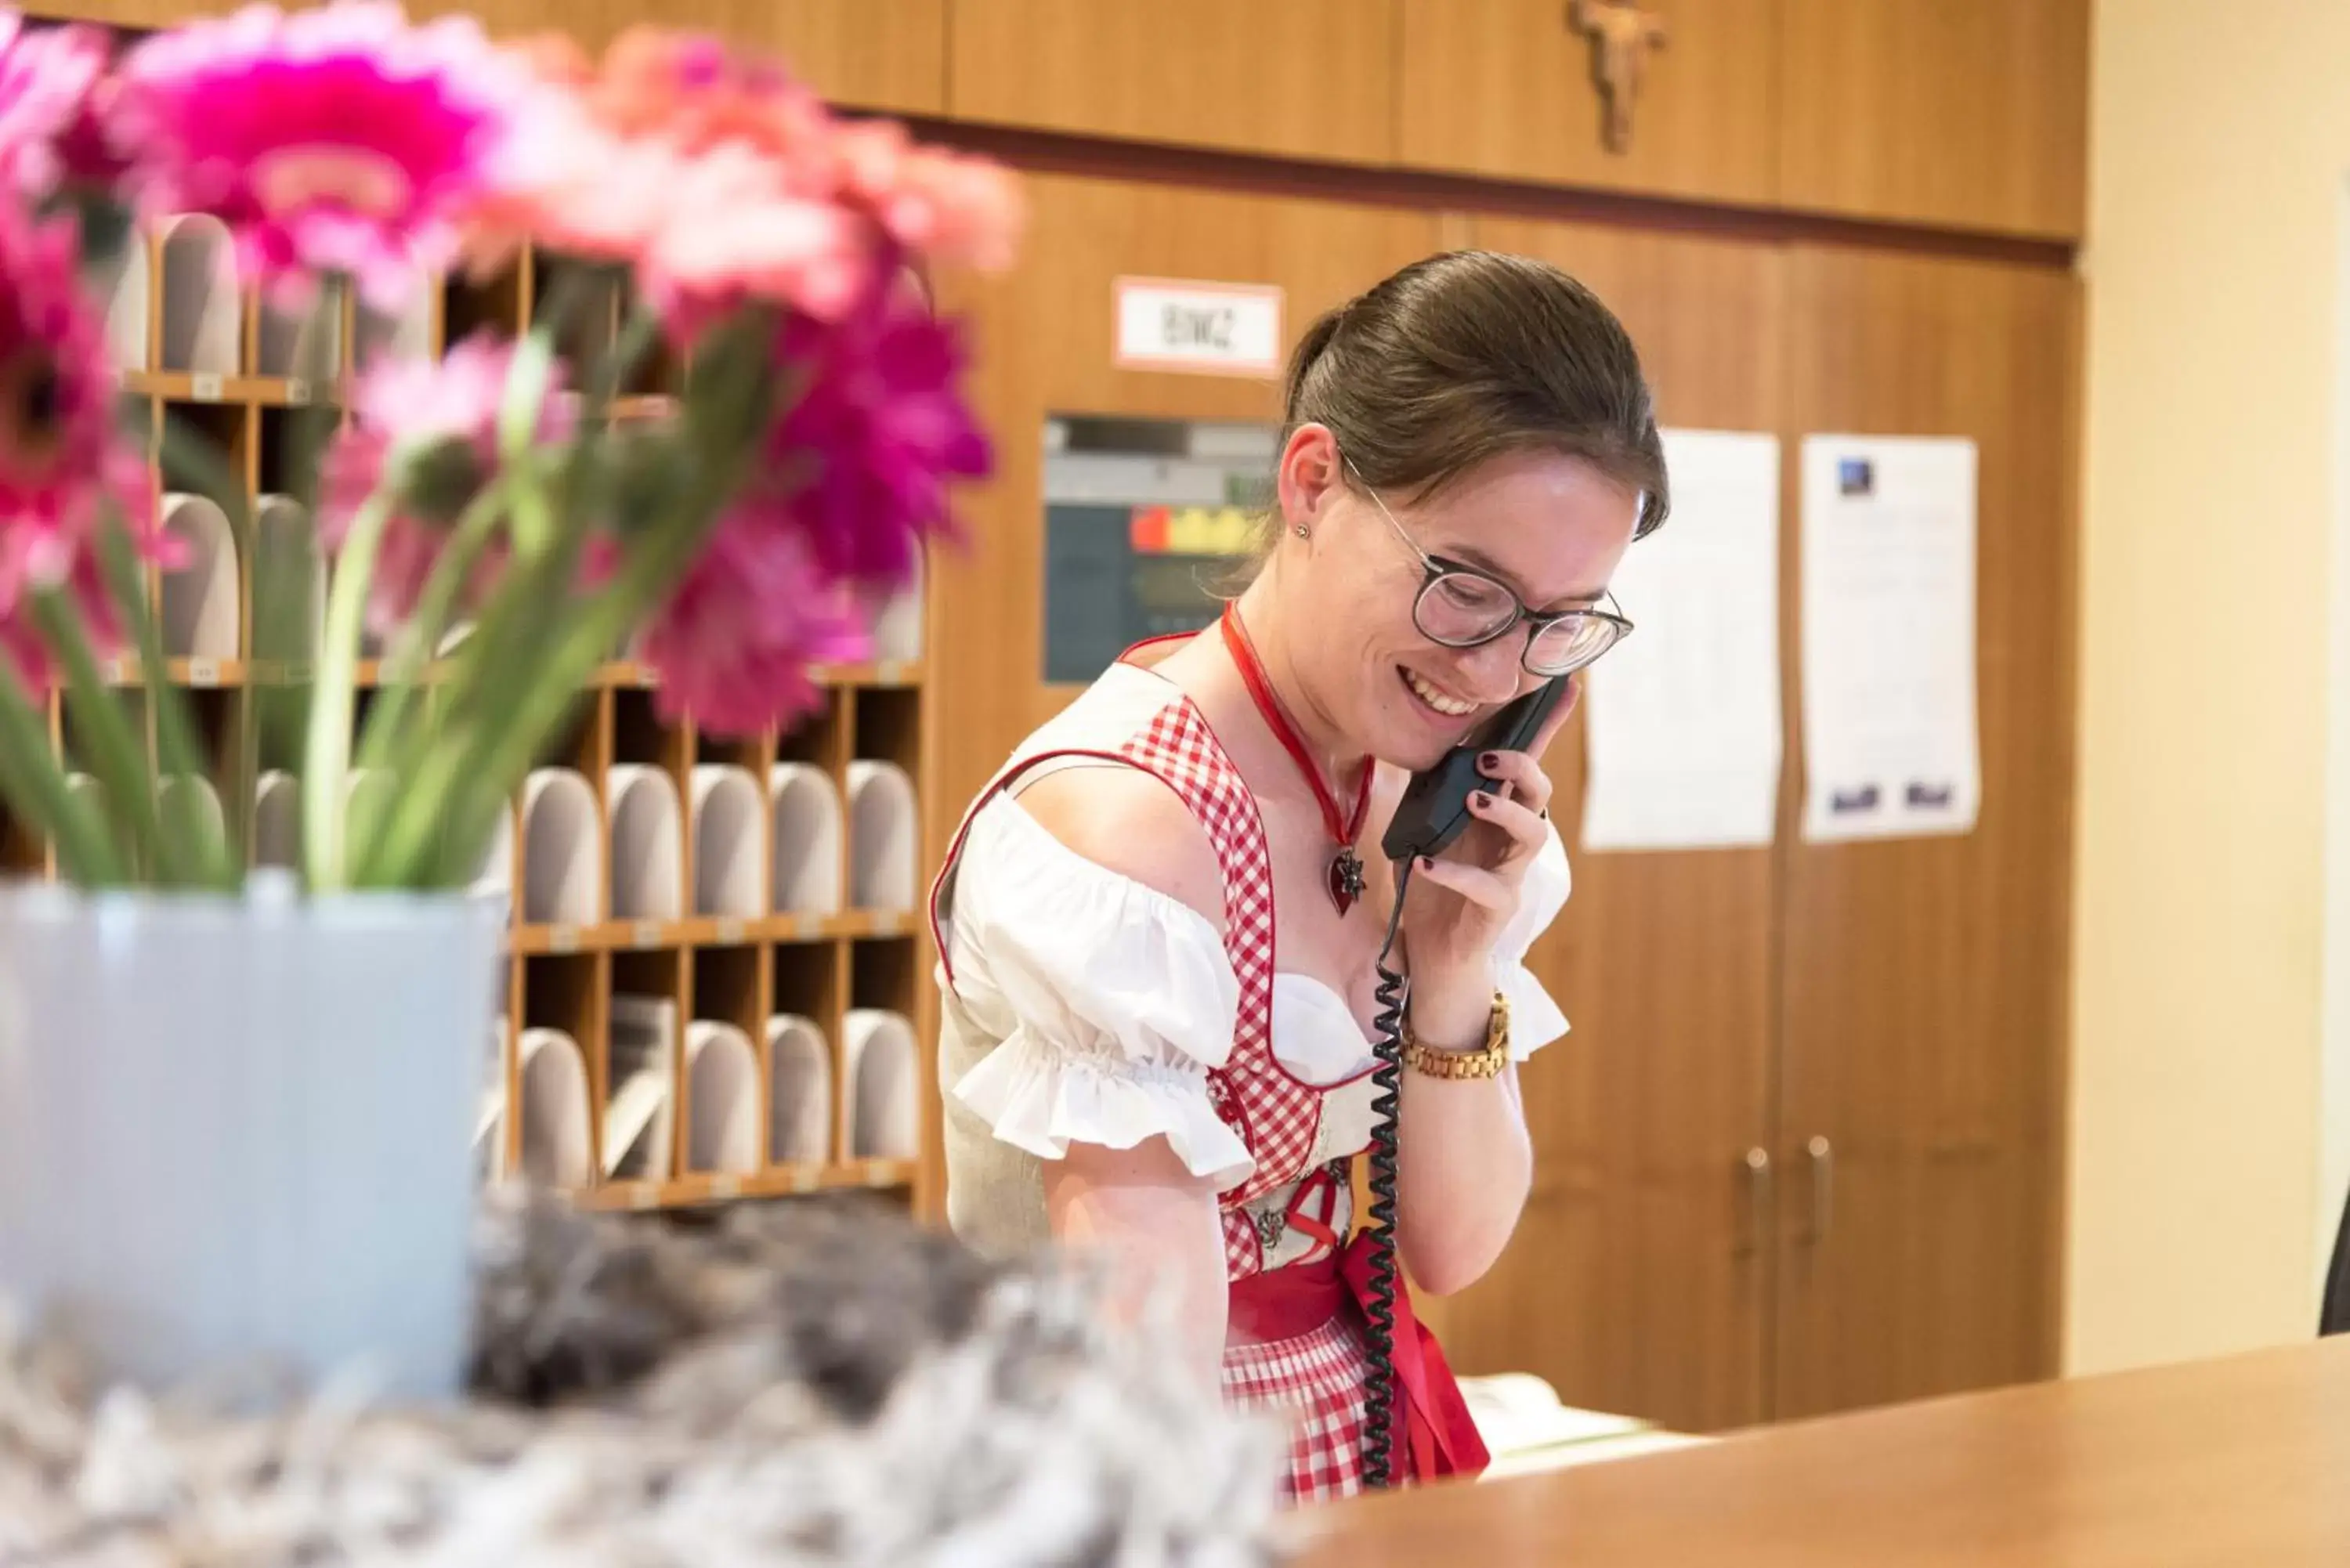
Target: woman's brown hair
[{"x": 1471, "y": 356}]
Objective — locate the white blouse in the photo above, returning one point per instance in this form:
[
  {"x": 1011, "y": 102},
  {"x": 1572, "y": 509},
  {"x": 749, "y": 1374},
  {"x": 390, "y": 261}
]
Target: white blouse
[{"x": 1087, "y": 1008}]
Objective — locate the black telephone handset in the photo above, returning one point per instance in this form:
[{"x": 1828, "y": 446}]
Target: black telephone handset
[
  {"x": 1435, "y": 805},
  {"x": 1430, "y": 816}
]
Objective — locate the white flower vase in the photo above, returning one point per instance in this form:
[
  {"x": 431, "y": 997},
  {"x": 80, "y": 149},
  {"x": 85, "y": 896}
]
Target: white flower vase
[{"x": 240, "y": 1127}]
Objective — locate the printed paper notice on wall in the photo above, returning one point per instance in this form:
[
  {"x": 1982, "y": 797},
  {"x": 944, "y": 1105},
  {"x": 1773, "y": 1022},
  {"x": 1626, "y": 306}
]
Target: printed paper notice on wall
[
  {"x": 1682, "y": 722},
  {"x": 1888, "y": 585},
  {"x": 1205, "y": 328}
]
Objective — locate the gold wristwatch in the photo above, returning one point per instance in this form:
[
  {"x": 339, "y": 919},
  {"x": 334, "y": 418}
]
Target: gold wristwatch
[{"x": 1486, "y": 1062}]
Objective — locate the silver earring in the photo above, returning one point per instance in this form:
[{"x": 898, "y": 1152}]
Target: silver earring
[{"x": 1303, "y": 532}]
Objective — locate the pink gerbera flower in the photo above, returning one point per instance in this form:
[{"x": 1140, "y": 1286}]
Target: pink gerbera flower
[
  {"x": 52, "y": 81},
  {"x": 429, "y": 431},
  {"x": 734, "y": 644},
  {"x": 334, "y": 140},
  {"x": 884, "y": 420},
  {"x": 62, "y": 462}
]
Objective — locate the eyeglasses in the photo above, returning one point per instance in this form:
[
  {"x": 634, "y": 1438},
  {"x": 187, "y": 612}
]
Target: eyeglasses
[{"x": 1460, "y": 607}]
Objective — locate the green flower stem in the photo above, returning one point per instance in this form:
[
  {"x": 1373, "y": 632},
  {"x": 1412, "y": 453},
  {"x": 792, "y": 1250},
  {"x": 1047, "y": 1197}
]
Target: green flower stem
[
  {"x": 118, "y": 754},
  {"x": 35, "y": 784},
  {"x": 175, "y": 735},
  {"x": 327, "y": 760},
  {"x": 401, "y": 691}
]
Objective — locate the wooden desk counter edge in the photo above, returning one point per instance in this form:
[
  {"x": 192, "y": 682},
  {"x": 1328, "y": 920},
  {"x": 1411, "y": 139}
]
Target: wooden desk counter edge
[{"x": 2238, "y": 1463}]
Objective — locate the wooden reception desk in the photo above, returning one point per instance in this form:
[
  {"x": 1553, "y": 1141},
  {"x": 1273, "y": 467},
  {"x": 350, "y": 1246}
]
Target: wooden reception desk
[{"x": 2243, "y": 1463}]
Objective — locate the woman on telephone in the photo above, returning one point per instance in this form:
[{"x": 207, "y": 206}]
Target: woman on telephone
[{"x": 1160, "y": 924}]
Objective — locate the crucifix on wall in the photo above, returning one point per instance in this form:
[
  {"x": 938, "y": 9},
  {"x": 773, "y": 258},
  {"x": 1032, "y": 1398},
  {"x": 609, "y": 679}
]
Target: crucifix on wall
[{"x": 1621, "y": 36}]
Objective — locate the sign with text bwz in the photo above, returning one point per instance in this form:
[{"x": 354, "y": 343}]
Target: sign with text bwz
[{"x": 1205, "y": 328}]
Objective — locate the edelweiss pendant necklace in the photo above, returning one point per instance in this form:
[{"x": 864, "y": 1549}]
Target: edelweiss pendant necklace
[{"x": 1344, "y": 877}]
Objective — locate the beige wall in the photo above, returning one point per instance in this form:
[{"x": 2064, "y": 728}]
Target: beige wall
[{"x": 2221, "y": 150}]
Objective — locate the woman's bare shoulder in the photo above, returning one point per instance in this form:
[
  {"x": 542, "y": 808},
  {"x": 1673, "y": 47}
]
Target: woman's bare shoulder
[{"x": 1125, "y": 820}]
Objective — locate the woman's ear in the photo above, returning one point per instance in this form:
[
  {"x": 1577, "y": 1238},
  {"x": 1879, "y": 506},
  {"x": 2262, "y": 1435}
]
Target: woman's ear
[{"x": 1308, "y": 475}]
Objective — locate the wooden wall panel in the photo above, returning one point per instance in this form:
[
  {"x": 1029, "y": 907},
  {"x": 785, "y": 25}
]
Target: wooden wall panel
[
  {"x": 1925, "y": 978},
  {"x": 1968, "y": 113},
  {"x": 1045, "y": 345},
  {"x": 1639, "y": 1278},
  {"x": 1506, "y": 88},
  {"x": 869, "y": 54},
  {"x": 1306, "y": 79}
]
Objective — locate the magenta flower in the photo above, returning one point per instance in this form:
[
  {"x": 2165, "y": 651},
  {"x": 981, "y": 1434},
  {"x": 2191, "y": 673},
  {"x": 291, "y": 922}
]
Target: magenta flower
[
  {"x": 339, "y": 139},
  {"x": 62, "y": 463},
  {"x": 52, "y": 82},
  {"x": 428, "y": 429},
  {"x": 734, "y": 644},
  {"x": 884, "y": 421}
]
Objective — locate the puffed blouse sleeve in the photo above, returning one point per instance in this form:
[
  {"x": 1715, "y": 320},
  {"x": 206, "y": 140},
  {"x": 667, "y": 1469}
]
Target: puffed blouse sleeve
[
  {"x": 1109, "y": 1001},
  {"x": 1534, "y": 1019}
]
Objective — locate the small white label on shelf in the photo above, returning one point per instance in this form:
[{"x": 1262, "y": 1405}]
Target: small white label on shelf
[
  {"x": 880, "y": 1173},
  {"x": 647, "y": 675},
  {"x": 116, "y": 670},
  {"x": 644, "y": 1195},
  {"x": 204, "y": 389},
  {"x": 730, "y": 930},
  {"x": 1211, "y": 328},
  {"x": 646, "y": 933},
  {"x": 204, "y": 672},
  {"x": 563, "y": 940},
  {"x": 804, "y": 1178},
  {"x": 890, "y": 923},
  {"x": 298, "y": 390},
  {"x": 725, "y": 1185},
  {"x": 889, "y": 673}
]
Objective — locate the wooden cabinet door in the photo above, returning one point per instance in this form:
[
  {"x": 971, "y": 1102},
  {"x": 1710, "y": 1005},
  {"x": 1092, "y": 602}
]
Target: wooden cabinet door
[
  {"x": 1304, "y": 78},
  {"x": 1924, "y": 1005},
  {"x": 871, "y": 54},
  {"x": 1965, "y": 113},
  {"x": 1638, "y": 1278},
  {"x": 1508, "y": 87},
  {"x": 1044, "y": 337}
]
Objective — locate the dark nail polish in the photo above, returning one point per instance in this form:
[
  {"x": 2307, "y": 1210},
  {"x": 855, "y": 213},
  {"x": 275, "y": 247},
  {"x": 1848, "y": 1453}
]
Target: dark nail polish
[
  {"x": 1427, "y": 863},
  {"x": 1489, "y": 761}
]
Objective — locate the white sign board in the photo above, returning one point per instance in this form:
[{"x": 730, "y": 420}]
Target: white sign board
[{"x": 1204, "y": 328}]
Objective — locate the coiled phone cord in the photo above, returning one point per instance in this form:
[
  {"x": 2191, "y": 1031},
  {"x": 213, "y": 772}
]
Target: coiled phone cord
[{"x": 1379, "y": 1310}]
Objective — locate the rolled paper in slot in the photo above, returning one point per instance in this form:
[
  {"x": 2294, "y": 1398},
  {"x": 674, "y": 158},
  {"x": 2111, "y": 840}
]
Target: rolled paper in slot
[
  {"x": 284, "y": 344},
  {"x": 809, "y": 848},
  {"x": 490, "y": 1121},
  {"x": 729, "y": 841},
  {"x": 562, "y": 853},
  {"x": 493, "y": 874},
  {"x": 404, "y": 334},
  {"x": 556, "y": 1149},
  {"x": 277, "y": 820},
  {"x": 883, "y": 837},
  {"x": 721, "y": 1099},
  {"x": 201, "y": 604},
  {"x": 190, "y": 806},
  {"x": 200, "y": 305},
  {"x": 879, "y": 1059},
  {"x": 128, "y": 287},
  {"x": 648, "y": 843},
  {"x": 896, "y": 621},
  {"x": 640, "y": 1118},
  {"x": 800, "y": 1115},
  {"x": 289, "y": 581}
]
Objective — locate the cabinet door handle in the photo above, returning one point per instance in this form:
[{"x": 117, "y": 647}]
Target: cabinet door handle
[
  {"x": 1823, "y": 1155},
  {"x": 1757, "y": 1166}
]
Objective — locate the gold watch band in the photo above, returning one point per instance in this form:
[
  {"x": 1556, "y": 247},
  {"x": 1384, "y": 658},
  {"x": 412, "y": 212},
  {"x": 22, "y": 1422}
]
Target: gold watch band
[{"x": 1486, "y": 1062}]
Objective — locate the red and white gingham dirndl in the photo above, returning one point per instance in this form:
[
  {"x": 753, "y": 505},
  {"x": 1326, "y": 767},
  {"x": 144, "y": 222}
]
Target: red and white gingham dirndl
[{"x": 1319, "y": 1379}]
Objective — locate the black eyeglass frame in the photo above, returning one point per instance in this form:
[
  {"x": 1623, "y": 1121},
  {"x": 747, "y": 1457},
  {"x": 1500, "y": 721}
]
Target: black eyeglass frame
[{"x": 1436, "y": 568}]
